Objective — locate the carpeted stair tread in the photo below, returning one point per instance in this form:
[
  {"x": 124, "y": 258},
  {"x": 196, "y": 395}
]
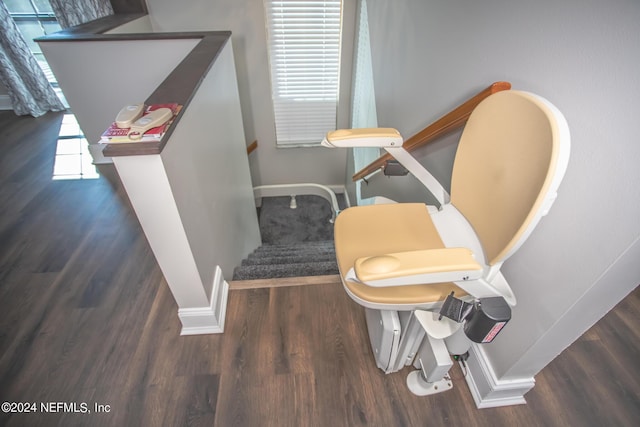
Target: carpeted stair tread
[
  {"x": 291, "y": 252},
  {"x": 309, "y": 245},
  {"x": 296, "y": 247},
  {"x": 298, "y": 254},
  {"x": 252, "y": 272},
  {"x": 292, "y": 258}
]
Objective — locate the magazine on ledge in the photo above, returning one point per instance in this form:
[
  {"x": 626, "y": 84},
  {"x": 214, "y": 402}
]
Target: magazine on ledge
[{"x": 114, "y": 134}]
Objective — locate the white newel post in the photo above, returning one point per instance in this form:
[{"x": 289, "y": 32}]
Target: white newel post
[{"x": 201, "y": 305}]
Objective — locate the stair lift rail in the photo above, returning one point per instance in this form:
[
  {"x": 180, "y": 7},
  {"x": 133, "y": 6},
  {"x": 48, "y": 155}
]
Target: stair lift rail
[
  {"x": 293, "y": 190},
  {"x": 451, "y": 121}
]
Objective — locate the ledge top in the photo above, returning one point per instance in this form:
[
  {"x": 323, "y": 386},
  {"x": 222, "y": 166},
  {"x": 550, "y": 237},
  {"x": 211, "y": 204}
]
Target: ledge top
[{"x": 179, "y": 86}]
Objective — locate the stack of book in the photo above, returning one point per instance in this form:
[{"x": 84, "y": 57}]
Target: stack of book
[{"x": 114, "y": 134}]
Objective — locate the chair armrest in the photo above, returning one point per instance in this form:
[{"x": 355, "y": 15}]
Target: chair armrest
[
  {"x": 417, "y": 267},
  {"x": 391, "y": 140},
  {"x": 367, "y": 137}
]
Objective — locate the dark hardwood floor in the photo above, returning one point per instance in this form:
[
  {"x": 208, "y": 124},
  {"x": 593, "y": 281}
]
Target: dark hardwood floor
[{"x": 87, "y": 318}]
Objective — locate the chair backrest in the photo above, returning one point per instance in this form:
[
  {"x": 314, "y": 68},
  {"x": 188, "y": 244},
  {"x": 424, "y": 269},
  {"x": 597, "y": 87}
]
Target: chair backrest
[{"x": 510, "y": 160}]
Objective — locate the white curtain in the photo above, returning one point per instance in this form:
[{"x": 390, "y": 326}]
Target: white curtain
[
  {"x": 363, "y": 106},
  {"x": 26, "y": 83},
  {"x": 70, "y": 13},
  {"x": 28, "y": 88}
]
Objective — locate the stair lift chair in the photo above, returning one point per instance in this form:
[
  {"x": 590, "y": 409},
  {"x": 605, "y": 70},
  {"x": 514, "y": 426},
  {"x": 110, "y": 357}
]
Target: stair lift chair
[{"x": 402, "y": 261}]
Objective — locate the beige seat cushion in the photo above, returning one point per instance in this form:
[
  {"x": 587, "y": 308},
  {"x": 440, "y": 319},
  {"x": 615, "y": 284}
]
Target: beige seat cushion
[{"x": 380, "y": 229}]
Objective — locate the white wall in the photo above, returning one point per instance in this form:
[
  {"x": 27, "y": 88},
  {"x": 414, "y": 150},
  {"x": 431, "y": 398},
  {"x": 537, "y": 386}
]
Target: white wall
[
  {"x": 582, "y": 55},
  {"x": 5, "y": 101},
  {"x": 140, "y": 25},
  {"x": 245, "y": 18}
]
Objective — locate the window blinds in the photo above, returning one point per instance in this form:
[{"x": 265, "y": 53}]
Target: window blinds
[{"x": 304, "y": 52}]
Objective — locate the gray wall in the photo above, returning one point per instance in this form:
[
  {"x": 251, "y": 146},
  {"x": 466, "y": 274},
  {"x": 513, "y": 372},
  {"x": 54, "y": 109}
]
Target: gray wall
[
  {"x": 582, "y": 55},
  {"x": 209, "y": 174},
  {"x": 245, "y": 18}
]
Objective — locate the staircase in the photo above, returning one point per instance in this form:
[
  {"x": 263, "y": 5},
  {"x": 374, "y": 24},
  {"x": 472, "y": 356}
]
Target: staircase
[
  {"x": 295, "y": 242},
  {"x": 288, "y": 260}
]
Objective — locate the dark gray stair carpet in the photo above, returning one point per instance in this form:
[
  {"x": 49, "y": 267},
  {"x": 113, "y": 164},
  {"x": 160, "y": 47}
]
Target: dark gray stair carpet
[
  {"x": 288, "y": 259},
  {"x": 295, "y": 242},
  {"x": 300, "y": 259},
  {"x": 293, "y": 250},
  {"x": 274, "y": 271},
  {"x": 309, "y": 222}
]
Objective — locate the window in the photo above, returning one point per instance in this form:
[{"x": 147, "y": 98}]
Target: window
[
  {"x": 35, "y": 18},
  {"x": 304, "y": 53}
]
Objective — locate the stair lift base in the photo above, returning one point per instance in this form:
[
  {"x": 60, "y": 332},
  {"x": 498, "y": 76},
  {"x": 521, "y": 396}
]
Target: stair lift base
[
  {"x": 399, "y": 339},
  {"x": 419, "y": 386},
  {"x": 432, "y": 359}
]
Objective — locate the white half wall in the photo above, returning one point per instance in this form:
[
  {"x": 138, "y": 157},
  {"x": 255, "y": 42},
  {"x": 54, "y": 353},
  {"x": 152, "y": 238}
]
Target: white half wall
[
  {"x": 194, "y": 200},
  {"x": 582, "y": 55},
  {"x": 87, "y": 70}
]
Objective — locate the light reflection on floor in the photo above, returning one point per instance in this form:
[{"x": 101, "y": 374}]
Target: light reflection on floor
[{"x": 73, "y": 160}]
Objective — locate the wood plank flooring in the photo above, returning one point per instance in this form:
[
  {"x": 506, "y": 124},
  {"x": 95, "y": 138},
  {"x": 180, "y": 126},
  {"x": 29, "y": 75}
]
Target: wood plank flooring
[{"x": 86, "y": 317}]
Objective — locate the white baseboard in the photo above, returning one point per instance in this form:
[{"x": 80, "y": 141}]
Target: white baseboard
[
  {"x": 489, "y": 391},
  {"x": 96, "y": 153},
  {"x": 5, "y": 103},
  {"x": 207, "y": 320}
]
